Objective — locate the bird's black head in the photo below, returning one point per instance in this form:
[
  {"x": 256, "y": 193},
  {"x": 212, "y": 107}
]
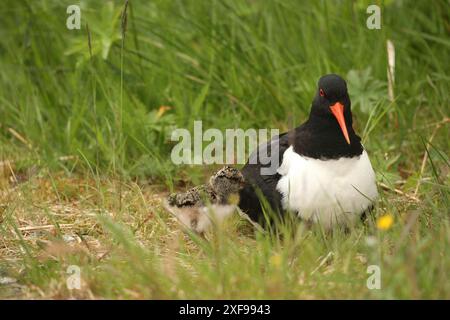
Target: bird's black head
[{"x": 332, "y": 102}]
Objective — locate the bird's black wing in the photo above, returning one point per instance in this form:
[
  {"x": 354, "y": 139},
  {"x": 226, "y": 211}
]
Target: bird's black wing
[{"x": 256, "y": 182}]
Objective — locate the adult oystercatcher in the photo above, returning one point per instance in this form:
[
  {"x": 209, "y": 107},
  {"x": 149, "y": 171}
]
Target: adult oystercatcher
[{"x": 325, "y": 174}]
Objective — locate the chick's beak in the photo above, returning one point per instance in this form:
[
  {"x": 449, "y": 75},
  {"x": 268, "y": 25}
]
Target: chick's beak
[{"x": 337, "y": 110}]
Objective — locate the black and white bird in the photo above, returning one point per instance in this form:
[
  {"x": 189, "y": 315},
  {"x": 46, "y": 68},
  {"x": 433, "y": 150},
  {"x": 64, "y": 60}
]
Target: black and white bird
[
  {"x": 199, "y": 206},
  {"x": 324, "y": 175}
]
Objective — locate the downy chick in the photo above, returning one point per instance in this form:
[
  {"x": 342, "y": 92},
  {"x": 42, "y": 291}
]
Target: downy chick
[{"x": 199, "y": 206}]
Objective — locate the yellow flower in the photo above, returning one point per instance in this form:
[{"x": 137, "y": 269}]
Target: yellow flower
[
  {"x": 385, "y": 221},
  {"x": 275, "y": 260}
]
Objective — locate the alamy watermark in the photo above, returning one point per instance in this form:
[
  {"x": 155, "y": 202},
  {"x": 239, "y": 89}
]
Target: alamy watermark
[
  {"x": 74, "y": 19},
  {"x": 227, "y": 147},
  {"x": 374, "y": 280},
  {"x": 374, "y": 20},
  {"x": 74, "y": 279}
]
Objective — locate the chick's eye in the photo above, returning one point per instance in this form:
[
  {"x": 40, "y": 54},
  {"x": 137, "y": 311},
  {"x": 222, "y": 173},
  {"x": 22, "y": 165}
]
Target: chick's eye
[{"x": 322, "y": 94}]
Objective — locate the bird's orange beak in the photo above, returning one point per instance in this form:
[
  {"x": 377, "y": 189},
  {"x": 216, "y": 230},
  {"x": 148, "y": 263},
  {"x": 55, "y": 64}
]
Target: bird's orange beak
[{"x": 337, "y": 110}]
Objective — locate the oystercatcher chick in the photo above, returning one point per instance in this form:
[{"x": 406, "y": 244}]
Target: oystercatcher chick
[
  {"x": 324, "y": 175},
  {"x": 198, "y": 207}
]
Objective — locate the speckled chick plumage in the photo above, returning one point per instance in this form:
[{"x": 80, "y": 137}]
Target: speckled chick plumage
[
  {"x": 195, "y": 207},
  {"x": 222, "y": 184}
]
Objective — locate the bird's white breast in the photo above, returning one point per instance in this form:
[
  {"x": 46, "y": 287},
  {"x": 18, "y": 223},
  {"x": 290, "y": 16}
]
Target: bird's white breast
[{"x": 326, "y": 191}]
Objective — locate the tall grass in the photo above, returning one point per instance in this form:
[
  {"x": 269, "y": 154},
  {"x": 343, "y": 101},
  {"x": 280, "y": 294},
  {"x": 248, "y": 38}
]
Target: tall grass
[
  {"x": 228, "y": 63},
  {"x": 91, "y": 103}
]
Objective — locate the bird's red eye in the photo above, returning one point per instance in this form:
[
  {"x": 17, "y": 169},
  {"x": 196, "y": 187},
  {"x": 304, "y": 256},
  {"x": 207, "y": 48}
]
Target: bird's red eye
[{"x": 322, "y": 94}]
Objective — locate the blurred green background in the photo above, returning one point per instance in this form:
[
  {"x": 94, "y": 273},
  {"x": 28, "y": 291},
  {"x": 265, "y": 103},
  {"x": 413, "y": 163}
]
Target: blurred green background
[
  {"x": 248, "y": 64},
  {"x": 85, "y": 114}
]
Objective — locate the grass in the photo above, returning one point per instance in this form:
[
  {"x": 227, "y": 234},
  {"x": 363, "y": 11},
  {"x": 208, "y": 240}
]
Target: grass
[{"x": 85, "y": 145}]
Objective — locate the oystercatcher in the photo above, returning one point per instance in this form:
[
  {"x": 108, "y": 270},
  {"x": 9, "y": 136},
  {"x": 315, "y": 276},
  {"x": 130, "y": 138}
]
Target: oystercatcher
[
  {"x": 199, "y": 206},
  {"x": 325, "y": 174}
]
